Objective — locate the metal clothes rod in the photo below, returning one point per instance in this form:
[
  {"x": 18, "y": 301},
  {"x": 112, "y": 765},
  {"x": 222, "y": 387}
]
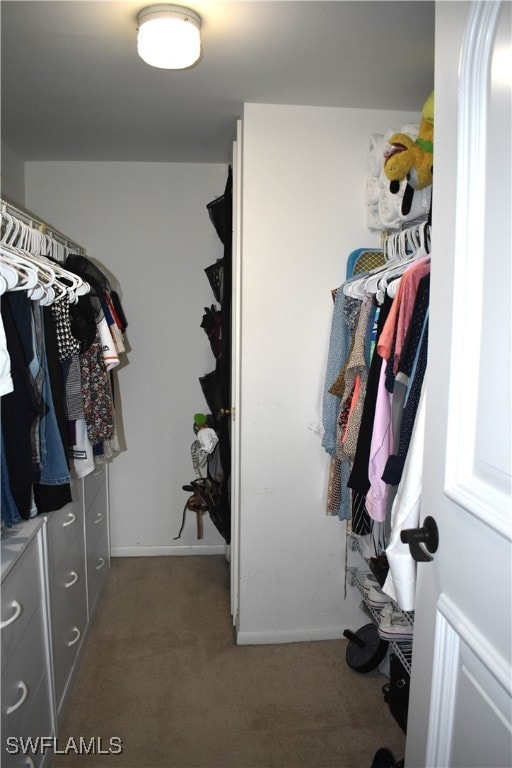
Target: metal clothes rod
[{"x": 35, "y": 222}]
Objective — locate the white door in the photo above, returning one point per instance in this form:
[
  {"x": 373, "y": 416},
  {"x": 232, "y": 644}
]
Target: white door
[{"x": 460, "y": 705}]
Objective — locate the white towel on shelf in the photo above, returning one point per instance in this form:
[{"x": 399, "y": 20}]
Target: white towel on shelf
[
  {"x": 375, "y": 153},
  {"x": 373, "y": 191},
  {"x": 390, "y": 205},
  {"x": 373, "y": 221}
]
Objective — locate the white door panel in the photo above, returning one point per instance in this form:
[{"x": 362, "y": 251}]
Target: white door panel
[
  {"x": 461, "y": 703},
  {"x": 470, "y": 686}
]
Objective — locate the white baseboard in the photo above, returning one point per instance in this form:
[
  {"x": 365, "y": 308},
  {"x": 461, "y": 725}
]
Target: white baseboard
[
  {"x": 168, "y": 550},
  {"x": 270, "y": 637}
]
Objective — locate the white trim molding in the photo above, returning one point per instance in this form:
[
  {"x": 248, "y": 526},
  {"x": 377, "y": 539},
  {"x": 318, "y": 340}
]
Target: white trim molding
[
  {"x": 458, "y": 646},
  {"x": 275, "y": 636},
  {"x": 168, "y": 551}
]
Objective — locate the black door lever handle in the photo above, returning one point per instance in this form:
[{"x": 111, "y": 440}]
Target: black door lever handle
[{"x": 428, "y": 535}]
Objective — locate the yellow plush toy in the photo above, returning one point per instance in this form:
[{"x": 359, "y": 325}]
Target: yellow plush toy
[{"x": 413, "y": 159}]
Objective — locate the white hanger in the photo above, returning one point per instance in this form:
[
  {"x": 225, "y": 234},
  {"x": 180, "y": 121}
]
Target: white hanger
[
  {"x": 19, "y": 273},
  {"x": 356, "y": 287},
  {"x": 400, "y": 249},
  {"x": 409, "y": 245},
  {"x": 26, "y": 266}
]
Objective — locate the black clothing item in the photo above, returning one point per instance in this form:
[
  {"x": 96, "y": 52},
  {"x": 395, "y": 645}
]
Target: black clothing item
[
  {"x": 395, "y": 464},
  {"x": 413, "y": 335},
  {"x": 358, "y": 479},
  {"x": 361, "y": 521},
  {"x": 20, "y": 407},
  {"x": 56, "y": 378},
  {"x": 49, "y": 498},
  {"x": 67, "y": 343},
  {"x": 116, "y": 301},
  {"x": 84, "y": 268},
  {"x": 82, "y": 316}
]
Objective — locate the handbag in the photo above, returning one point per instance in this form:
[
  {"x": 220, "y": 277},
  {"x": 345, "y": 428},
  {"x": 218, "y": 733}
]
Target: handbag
[{"x": 396, "y": 692}]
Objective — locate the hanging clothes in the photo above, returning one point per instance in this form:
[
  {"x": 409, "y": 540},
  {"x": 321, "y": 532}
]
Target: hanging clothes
[
  {"x": 58, "y": 347},
  {"x": 376, "y": 392}
]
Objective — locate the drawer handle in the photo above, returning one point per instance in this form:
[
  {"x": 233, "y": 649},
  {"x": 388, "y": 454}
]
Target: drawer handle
[
  {"x": 76, "y": 637},
  {"x": 15, "y": 615},
  {"x": 71, "y": 519},
  {"x": 99, "y": 518},
  {"x": 74, "y": 579},
  {"x": 101, "y": 563},
  {"x": 24, "y": 693}
]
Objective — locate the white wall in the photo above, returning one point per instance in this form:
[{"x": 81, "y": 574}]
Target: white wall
[
  {"x": 303, "y": 212},
  {"x": 12, "y": 175},
  {"x": 148, "y": 224}
]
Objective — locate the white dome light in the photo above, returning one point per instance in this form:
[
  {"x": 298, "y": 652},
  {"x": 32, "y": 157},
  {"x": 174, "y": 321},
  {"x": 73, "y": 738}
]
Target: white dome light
[{"x": 169, "y": 36}]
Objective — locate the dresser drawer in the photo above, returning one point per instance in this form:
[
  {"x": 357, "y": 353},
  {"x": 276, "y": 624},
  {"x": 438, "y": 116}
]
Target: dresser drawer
[
  {"x": 21, "y": 677},
  {"x": 71, "y": 571},
  {"x": 94, "y": 486},
  {"x": 65, "y": 532},
  {"x": 69, "y": 618},
  {"x": 20, "y": 760},
  {"x": 22, "y": 593},
  {"x": 38, "y": 722},
  {"x": 96, "y": 526},
  {"x": 98, "y": 564}
]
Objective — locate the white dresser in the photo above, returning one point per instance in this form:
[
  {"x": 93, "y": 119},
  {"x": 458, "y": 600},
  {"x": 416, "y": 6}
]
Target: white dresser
[{"x": 53, "y": 569}]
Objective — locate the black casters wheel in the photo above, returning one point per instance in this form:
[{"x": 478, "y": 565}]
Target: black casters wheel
[{"x": 366, "y": 649}]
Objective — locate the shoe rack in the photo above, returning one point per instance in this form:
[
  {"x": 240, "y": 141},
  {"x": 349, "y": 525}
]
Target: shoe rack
[{"x": 357, "y": 577}]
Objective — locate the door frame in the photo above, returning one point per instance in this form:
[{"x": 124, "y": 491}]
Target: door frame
[{"x": 236, "y": 331}]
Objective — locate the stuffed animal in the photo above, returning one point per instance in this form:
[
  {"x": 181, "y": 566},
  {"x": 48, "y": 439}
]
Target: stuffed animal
[{"x": 412, "y": 159}]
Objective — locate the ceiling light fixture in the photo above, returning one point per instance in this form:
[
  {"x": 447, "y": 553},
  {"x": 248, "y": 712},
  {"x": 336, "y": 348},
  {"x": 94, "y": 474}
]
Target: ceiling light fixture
[{"x": 169, "y": 36}]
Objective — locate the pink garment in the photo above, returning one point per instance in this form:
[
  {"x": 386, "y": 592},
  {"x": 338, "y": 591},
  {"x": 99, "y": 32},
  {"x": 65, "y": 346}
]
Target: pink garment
[
  {"x": 381, "y": 446},
  {"x": 401, "y": 310},
  {"x": 385, "y": 340},
  {"x": 410, "y": 280}
]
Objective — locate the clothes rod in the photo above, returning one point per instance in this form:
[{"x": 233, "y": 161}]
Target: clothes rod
[{"x": 36, "y": 223}]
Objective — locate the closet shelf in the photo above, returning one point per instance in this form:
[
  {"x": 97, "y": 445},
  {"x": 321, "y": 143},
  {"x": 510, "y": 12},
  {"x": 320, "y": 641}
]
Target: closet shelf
[{"x": 402, "y": 648}]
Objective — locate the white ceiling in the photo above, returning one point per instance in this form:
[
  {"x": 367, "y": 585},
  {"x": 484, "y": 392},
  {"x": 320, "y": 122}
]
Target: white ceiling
[{"x": 73, "y": 87}]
